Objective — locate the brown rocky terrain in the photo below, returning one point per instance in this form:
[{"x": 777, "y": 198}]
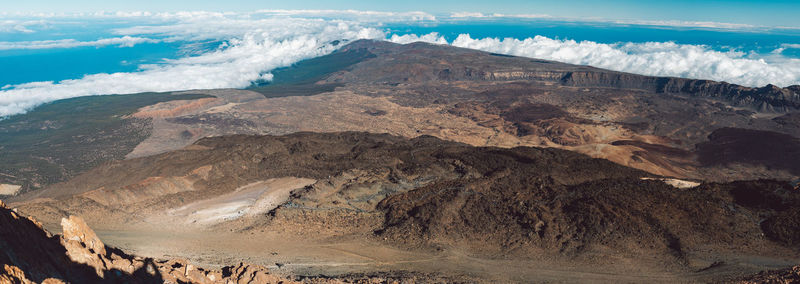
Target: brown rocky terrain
[
  {"x": 438, "y": 200},
  {"x": 32, "y": 255},
  {"x": 785, "y": 276}
]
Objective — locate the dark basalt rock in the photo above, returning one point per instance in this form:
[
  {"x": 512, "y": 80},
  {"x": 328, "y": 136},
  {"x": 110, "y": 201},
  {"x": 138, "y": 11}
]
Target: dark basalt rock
[{"x": 746, "y": 146}]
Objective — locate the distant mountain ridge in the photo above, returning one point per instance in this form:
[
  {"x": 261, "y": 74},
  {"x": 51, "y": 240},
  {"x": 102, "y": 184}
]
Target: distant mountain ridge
[{"x": 769, "y": 98}]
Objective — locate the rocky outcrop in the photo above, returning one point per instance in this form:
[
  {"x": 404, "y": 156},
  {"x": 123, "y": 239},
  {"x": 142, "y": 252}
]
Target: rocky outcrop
[{"x": 29, "y": 254}]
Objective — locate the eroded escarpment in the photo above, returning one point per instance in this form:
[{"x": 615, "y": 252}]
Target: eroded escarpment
[{"x": 427, "y": 62}]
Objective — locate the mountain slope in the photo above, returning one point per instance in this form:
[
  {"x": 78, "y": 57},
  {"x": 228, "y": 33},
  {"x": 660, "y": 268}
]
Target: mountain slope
[{"x": 428, "y": 195}]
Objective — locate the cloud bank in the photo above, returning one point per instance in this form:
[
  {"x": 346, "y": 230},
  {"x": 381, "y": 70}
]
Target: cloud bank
[
  {"x": 125, "y": 41},
  {"x": 20, "y": 26},
  {"x": 675, "y": 24},
  {"x": 255, "y": 43},
  {"x": 236, "y": 64},
  {"x": 473, "y": 15},
  {"x": 651, "y": 58}
]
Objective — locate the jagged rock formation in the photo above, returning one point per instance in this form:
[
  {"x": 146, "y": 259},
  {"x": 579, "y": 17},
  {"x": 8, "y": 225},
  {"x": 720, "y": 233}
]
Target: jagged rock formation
[{"x": 31, "y": 255}]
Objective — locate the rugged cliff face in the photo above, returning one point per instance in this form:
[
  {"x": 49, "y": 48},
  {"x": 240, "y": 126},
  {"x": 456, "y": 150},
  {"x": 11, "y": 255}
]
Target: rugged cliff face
[
  {"x": 769, "y": 98},
  {"x": 32, "y": 255}
]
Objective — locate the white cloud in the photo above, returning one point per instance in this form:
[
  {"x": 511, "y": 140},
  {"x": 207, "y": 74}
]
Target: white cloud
[
  {"x": 362, "y": 16},
  {"x": 355, "y": 15},
  {"x": 525, "y": 16},
  {"x": 686, "y": 24},
  {"x": 467, "y": 15},
  {"x": 670, "y": 23},
  {"x": 409, "y": 38},
  {"x": 20, "y": 26},
  {"x": 784, "y": 47},
  {"x": 125, "y": 41},
  {"x": 473, "y": 15},
  {"x": 652, "y": 58},
  {"x": 244, "y": 60}
]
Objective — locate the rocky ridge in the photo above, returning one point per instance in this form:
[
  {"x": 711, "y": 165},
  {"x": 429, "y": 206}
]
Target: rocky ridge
[
  {"x": 32, "y": 255},
  {"x": 769, "y": 98}
]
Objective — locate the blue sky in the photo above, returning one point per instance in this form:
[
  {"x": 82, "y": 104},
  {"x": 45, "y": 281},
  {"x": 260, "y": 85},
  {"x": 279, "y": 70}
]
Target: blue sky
[{"x": 754, "y": 12}]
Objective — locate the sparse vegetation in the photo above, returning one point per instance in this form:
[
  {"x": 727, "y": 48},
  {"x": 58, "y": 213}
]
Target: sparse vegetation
[{"x": 61, "y": 139}]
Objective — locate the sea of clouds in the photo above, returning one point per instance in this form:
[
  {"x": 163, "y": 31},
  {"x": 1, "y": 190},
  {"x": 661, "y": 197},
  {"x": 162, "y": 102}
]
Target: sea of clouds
[{"x": 255, "y": 43}]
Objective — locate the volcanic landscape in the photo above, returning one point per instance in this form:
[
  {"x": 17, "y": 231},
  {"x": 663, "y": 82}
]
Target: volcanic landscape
[{"x": 384, "y": 162}]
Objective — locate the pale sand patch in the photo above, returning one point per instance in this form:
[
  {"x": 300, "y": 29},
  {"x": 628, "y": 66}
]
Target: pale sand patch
[
  {"x": 676, "y": 183},
  {"x": 223, "y": 108},
  {"x": 249, "y": 200},
  {"x": 175, "y": 108},
  {"x": 9, "y": 189}
]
